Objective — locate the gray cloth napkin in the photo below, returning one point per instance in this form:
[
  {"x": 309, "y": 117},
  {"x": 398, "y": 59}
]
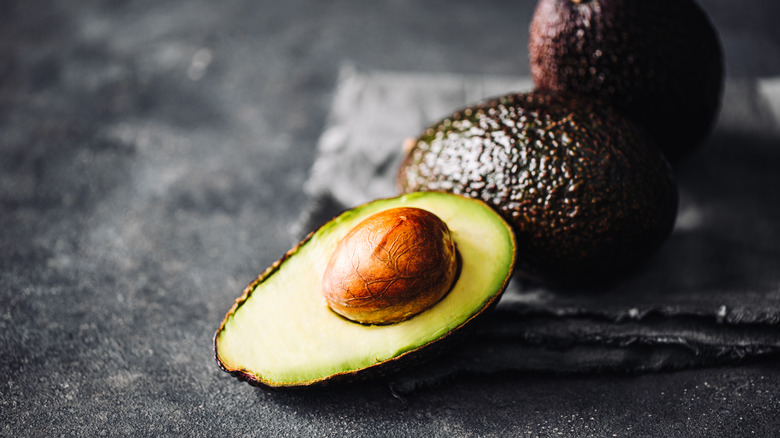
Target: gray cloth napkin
[{"x": 710, "y": 295}]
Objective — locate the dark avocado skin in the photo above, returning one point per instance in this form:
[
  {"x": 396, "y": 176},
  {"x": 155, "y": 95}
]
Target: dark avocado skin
[
  {"x": 585, "y": 190},
  {"x": 658, "y": 61}
]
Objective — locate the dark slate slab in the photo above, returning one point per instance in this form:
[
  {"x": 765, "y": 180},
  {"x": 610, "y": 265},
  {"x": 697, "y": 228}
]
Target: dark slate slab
[{"x": 710, "y": 295}]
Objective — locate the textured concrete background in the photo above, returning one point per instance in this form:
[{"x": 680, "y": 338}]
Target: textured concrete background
[{"x": 152, "y": 157}]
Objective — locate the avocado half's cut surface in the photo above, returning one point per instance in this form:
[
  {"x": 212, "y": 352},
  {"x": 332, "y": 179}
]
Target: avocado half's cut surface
[{"x": 281, "y": 333}]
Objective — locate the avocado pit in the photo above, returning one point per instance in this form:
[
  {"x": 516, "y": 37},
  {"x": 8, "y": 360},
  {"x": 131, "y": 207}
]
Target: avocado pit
[{"x": 391, "y": 266}]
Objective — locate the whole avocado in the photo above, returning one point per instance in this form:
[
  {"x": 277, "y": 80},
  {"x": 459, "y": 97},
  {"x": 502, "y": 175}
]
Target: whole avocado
[
  {"x": 585, "y": 190},
  {"x": 660, "y": 62}
]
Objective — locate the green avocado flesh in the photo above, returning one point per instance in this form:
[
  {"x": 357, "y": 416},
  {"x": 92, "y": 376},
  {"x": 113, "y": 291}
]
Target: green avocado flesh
[{"x": 281, "y": 332}]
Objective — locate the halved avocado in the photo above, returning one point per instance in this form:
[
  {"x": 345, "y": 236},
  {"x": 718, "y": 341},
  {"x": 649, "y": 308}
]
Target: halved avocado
[{"x": 281, "y": 333}]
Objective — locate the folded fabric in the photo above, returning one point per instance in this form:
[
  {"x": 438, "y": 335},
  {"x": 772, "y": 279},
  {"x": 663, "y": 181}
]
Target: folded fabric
[{"x": 711, "y": 294}]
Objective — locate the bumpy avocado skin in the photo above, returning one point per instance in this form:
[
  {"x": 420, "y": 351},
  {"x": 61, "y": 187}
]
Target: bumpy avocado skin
[
  {"x": 585, "y": 190},
  {"x": 660, "y": 62}
]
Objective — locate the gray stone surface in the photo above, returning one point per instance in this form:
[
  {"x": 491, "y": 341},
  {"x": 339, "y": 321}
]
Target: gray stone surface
[{"x": 152, "y": 162}]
